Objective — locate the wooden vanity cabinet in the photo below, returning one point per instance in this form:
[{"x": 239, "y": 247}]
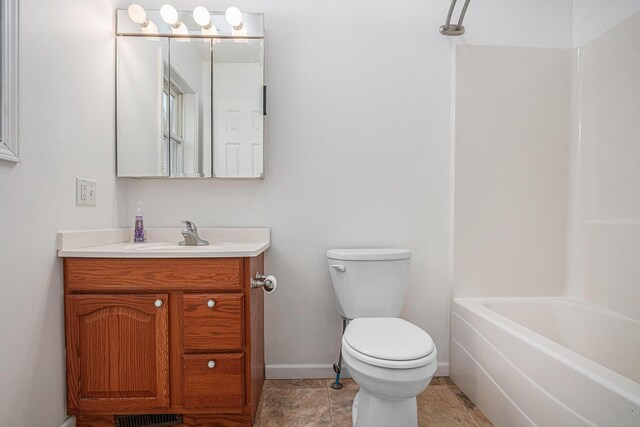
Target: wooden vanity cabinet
[{"x": 164, "y": 336}]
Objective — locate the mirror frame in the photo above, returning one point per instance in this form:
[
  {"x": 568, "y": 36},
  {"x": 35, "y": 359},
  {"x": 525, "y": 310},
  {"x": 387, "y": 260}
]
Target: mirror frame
[{"x": 9, "y": 126}]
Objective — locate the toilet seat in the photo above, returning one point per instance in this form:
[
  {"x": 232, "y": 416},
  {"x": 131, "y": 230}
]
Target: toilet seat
[{"x": 388, "y": 343}]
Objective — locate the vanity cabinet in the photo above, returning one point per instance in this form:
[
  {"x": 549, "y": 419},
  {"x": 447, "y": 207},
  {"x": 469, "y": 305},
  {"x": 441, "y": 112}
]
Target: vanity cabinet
[{"x": 164, "y": 336}]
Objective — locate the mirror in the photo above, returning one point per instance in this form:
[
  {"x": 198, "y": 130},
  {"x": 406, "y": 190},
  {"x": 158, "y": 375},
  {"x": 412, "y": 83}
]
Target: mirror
[
  {"x": 186, "y": 109},
  {"x": 9, "y": 75},
  {"x": 238, "y": 109},
  {"x": 190, "y": 107},
  {"x": 142, "y": 70}
]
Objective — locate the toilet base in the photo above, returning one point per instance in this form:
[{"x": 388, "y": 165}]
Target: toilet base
[{"x": 371, "y": 411}]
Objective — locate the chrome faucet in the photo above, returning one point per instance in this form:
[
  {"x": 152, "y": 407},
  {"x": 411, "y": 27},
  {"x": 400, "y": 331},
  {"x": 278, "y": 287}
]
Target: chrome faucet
[{"x": 190, "y": 235}]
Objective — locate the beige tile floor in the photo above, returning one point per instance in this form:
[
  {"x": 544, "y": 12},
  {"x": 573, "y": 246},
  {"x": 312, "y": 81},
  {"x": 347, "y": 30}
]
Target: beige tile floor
[{"x": 297, "y": 403}]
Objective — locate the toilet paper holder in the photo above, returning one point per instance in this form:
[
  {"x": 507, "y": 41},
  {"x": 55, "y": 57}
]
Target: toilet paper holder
[{"x": 268, "y": 283}]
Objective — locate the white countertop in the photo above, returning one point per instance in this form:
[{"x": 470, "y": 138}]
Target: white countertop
[{"x": 163, "y": 243}]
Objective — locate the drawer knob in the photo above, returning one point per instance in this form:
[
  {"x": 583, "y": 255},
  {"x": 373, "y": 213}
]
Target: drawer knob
[
  {"x": 211, "y": 303},
  {"x": 158, "y": 303},
  {"x": 211, "y": 364}
]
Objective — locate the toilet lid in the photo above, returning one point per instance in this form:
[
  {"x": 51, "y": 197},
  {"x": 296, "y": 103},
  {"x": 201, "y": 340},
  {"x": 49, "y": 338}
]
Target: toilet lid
[{"x": 388, "y": 338}]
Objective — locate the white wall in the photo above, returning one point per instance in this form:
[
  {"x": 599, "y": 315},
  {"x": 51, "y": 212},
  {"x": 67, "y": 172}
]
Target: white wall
[
  {"x": 606, "y": 207},
  {"x": 67, "y": 130},
  {"x": 357, "y": 154},
  {"x": 592, "y": 18},
  {"x": 512, "y": 144},
  {"x": 524, "y": 23}
]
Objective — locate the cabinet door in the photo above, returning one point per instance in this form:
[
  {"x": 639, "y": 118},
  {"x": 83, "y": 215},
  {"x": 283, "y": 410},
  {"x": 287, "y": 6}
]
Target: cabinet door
[{"x": 117, "y": 352}]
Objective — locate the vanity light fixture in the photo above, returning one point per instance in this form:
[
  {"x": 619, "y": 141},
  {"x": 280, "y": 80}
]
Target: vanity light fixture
[
  {"x": 234, "y": 17},
  {"x": 203, "y": 18}
]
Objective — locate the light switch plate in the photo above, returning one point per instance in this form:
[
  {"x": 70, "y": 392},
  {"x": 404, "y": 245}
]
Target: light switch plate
[{"x": 85, "y": 192}]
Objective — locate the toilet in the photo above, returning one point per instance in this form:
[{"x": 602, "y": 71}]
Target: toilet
[{"x": 391, "y": 359}]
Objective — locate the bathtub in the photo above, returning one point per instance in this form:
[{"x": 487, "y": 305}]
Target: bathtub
[{"x": 546, "y": 361}]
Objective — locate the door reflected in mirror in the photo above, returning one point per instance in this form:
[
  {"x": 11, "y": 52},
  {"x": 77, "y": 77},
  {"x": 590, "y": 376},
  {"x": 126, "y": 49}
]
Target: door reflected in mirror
[{"x": 238, "y": 108}]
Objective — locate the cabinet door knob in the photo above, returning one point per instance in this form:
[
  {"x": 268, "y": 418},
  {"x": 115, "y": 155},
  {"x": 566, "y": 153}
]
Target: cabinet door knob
[
  {"x": 158, "y": 303},
  {"x": 211, "y": 364},
  {"x": 211, "y": 303}
]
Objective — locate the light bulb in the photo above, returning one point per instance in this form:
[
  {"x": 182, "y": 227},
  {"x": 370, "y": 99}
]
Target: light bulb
[
  {"x": 234, "y": 17},
  {"x": 138, "y": 15},
  {"x": 202, "y": 17},
  {"x": 169, "y": 15}
]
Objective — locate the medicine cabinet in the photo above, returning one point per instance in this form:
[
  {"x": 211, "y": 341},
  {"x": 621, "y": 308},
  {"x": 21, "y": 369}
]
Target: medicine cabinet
[{"x": 191, "y": 101}]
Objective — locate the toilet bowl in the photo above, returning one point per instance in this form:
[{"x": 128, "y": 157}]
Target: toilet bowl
[{"x": 393, "y": 361}]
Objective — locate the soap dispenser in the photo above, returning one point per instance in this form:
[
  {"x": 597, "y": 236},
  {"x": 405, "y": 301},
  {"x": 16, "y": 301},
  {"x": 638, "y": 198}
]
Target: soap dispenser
[{"x": 139, "y": 235}]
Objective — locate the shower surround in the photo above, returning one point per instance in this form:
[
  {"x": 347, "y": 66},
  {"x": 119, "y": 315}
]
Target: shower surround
[{"x": 547, "y": 210}]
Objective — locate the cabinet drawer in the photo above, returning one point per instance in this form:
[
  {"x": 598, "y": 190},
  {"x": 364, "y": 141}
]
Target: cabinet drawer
[
  {"x": 213, "y": 380},
  {"x": 213, "y": 322},
  {"x": 139, "y": 275}
]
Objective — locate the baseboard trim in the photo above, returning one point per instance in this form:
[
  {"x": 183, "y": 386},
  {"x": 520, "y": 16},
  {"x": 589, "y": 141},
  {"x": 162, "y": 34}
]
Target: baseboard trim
[
  {"x": 69, "y": 422},
  {"x": 442, "y": 370},
  {"x": 302, "y": 371},
  {"x": 299, "y": 371}
]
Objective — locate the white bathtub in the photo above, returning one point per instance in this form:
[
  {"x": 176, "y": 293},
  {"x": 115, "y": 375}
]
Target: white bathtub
[{"x": 546, "y": 361}]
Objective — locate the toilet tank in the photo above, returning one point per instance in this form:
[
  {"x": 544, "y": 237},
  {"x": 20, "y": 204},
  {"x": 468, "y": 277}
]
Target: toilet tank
[{"x": 369, "y": 282}]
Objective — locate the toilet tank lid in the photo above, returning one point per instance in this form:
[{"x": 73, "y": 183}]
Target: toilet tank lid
[{"x": 368, "y": 254}]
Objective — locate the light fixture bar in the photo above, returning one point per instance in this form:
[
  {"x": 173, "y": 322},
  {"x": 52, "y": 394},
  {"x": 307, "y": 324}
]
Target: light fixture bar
[{"x": 198, "y": 22}]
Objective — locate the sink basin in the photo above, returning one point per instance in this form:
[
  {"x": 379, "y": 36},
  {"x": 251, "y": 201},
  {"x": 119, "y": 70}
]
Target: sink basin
[{"x": 166, "y": 246}]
